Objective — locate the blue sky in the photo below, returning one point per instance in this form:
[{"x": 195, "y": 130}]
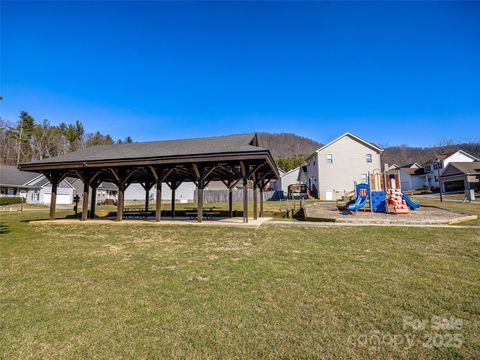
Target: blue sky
[{"x": 394, "y": 73}]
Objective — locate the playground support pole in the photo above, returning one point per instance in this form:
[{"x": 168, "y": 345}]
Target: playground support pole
[
  {"x": 355, "y": 192},
  {"x": 385, "y": 186},
  {"x": 369, "y": 192}
]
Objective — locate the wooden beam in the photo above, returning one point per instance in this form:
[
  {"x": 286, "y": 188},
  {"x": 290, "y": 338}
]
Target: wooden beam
[
  {"x": 230, "y": 201},
  {"x": 53, "y": 199},
  {"x": 244, "y": 168},
  {"x": 201, "y": 185},
  {"x": 158, "y": 203},
  {"x": 261, "y": 201},
  {"x": 154, "y": 173},
  {"x": 93, "y": 203},
  {"x": 116, "y": 175},
  {"x": 255, "y": 201},
  {"x": 147, "y": 194},
  {"x": 86, "y": 190},
  {"x": 120, "y": 200},
  {"x": 173, "y": 199}
]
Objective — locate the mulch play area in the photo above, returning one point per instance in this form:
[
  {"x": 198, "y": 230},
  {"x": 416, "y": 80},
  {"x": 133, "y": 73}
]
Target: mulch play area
[{"x": 328, "y": 211}]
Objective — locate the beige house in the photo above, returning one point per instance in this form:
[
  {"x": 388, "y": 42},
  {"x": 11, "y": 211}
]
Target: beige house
[{"x": 331, "y": 171}]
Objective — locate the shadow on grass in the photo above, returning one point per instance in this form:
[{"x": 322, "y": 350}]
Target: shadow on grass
[{"x": 4, "y": 229}]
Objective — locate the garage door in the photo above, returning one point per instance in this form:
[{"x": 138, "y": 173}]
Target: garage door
[
  {"x": 61, "y": 198},
  {"x": 458, "y": 185}
]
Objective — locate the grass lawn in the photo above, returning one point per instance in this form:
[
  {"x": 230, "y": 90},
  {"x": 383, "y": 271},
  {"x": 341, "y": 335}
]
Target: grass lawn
[
  {"x": 467, "y": 208},
  {"x": 140, "y": 291}
]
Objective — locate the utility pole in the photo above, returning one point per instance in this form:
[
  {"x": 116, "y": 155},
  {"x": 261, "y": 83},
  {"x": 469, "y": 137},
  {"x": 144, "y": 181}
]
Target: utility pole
[{"x": 439, "y": 182}]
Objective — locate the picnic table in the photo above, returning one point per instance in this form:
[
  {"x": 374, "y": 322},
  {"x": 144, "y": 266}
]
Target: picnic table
[
  {"x": 136, "y": 213},
  {"x": 209, "y": 213}
]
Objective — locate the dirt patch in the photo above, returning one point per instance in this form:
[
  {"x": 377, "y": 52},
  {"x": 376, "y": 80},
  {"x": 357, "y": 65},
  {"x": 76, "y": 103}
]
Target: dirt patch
[{"x": 323, "y": 211}]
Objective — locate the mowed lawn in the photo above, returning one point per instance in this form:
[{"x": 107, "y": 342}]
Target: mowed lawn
[{"x": 146, "y": 291}]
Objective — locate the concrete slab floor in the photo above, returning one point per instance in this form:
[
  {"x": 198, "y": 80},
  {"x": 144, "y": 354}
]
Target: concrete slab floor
[{"x": 236, "y": 221}]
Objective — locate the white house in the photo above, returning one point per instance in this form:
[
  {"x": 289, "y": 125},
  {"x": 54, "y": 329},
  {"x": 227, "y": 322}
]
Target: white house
[
  {"x": 332, "y": 170},
  {"x": 105, "y": 191},
  {"x": 434, "y": 167},
  {"x": 184, "y": 193},
  {"x": 412, "y": 176},
  {"x": 33, "y": 187},
  {"x": 287, "y": 178}
]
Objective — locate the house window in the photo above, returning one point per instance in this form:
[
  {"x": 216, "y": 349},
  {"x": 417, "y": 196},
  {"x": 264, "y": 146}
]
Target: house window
[
  {"x": 364, "y": 178},
  {"x": 435, "y": 167},
  {"x": 436, "y": 178},
  {"x": 369, "y": 158},
  {"x": 329, "y": 158},
  {"x": 427, "y": 168},
  {"x": 314, "y": 163}
]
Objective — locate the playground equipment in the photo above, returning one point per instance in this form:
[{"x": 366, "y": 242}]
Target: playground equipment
[{"x": 382, "y": 191}]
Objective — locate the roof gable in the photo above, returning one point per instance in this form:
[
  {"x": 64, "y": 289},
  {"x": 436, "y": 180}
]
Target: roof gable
[
  {"x": 354, "y": 137},
  {"x": 10, "y": 175}
]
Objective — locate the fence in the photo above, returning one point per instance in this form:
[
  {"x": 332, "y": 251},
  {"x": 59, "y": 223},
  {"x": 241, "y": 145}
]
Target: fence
[{"x": 211, "y": 196}]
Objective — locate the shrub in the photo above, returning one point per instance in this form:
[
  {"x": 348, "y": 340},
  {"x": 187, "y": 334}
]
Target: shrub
[{"x": 11, "y": 200}]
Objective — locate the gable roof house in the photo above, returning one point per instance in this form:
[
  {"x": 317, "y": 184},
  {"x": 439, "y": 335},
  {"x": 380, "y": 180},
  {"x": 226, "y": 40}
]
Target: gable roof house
[
  {"x": 331, "y": 171},
  {"x": 435, "y": 167},
  {"x": 280, "y": 185},
  {"x": 412, "y": 176},
  {"x": 460, "y": 176},
  {"x": 33, "y": 187}
]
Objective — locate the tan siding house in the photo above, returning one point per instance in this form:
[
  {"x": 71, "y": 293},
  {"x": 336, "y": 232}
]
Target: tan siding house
[{"x": 333, "y": 169}]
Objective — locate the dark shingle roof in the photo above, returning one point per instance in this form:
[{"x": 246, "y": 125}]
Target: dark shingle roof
[
  {"x": 470, "y": 168},
  {"x": 10, "y": 175},
  {"x": 165, "y": 148}
]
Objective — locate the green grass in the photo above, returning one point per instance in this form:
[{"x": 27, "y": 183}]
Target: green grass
[
  {"x": 143, "y": 291},
  {"x": 467, "y": 208}
]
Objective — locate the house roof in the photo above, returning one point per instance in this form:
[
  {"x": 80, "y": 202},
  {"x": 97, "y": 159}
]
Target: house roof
[
  {"x": 106, "y": 185},
  {"x": 155, "y": 149},
  {"x": 413, "y": 171},
  {"x": 467, "y": 168},
  {"x": 359, "y": 139},
  {"x": 408, "y": 165},
  {"x": 446, "y": 155},
  {"x": 10, "y": 175}
]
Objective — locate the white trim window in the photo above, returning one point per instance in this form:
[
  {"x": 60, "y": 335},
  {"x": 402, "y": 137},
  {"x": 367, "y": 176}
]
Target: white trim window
[
  {"x": 369, "y": 158},
  {"x": 329, "y": 158},
  {"x": 364, "y": 178}
]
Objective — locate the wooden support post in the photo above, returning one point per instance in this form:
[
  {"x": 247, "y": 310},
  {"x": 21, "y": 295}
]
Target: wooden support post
[
  {"x": 173, "y": 199},
  {"x": 201, "y": 185},
  {"x": 120, "y": 200},
  {"x": 53, "y": 199},
  {"x": 255, "y": 201},
  {"x": 245, "y": 200},
  {"x": 261, "y": 201},
  {"x": 147, "y": 195},
  {"x": 86, "y": 190},
  {"x": 158, "y": 204},
  {"x": 230, "y": 201},
  {"x": 93, "y": 202}
]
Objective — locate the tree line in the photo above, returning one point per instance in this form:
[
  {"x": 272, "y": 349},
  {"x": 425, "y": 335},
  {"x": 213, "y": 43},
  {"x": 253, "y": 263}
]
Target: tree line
[{"x": 28, "y": 139}]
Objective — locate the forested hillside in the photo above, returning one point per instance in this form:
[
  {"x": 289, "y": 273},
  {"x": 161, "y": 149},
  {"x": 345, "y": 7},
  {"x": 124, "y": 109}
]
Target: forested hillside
[{"x": 283, "y": 145}]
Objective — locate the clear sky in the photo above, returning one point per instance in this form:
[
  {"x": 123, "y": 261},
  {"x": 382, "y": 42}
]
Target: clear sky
[{"x": 393, "y": 73}]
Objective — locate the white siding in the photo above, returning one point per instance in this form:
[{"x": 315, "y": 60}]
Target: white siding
[
  {"x": 184, "y": 192},
  {"x": 287, "y": 179},
  {"x": 349, "y": 164}
]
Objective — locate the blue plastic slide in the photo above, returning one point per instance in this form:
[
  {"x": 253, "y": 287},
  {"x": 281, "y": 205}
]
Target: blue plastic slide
[
  {"x": 359, "y": 203},
  {"x": 412, "y": 205},
  {"x": 362, "y": 197}
]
